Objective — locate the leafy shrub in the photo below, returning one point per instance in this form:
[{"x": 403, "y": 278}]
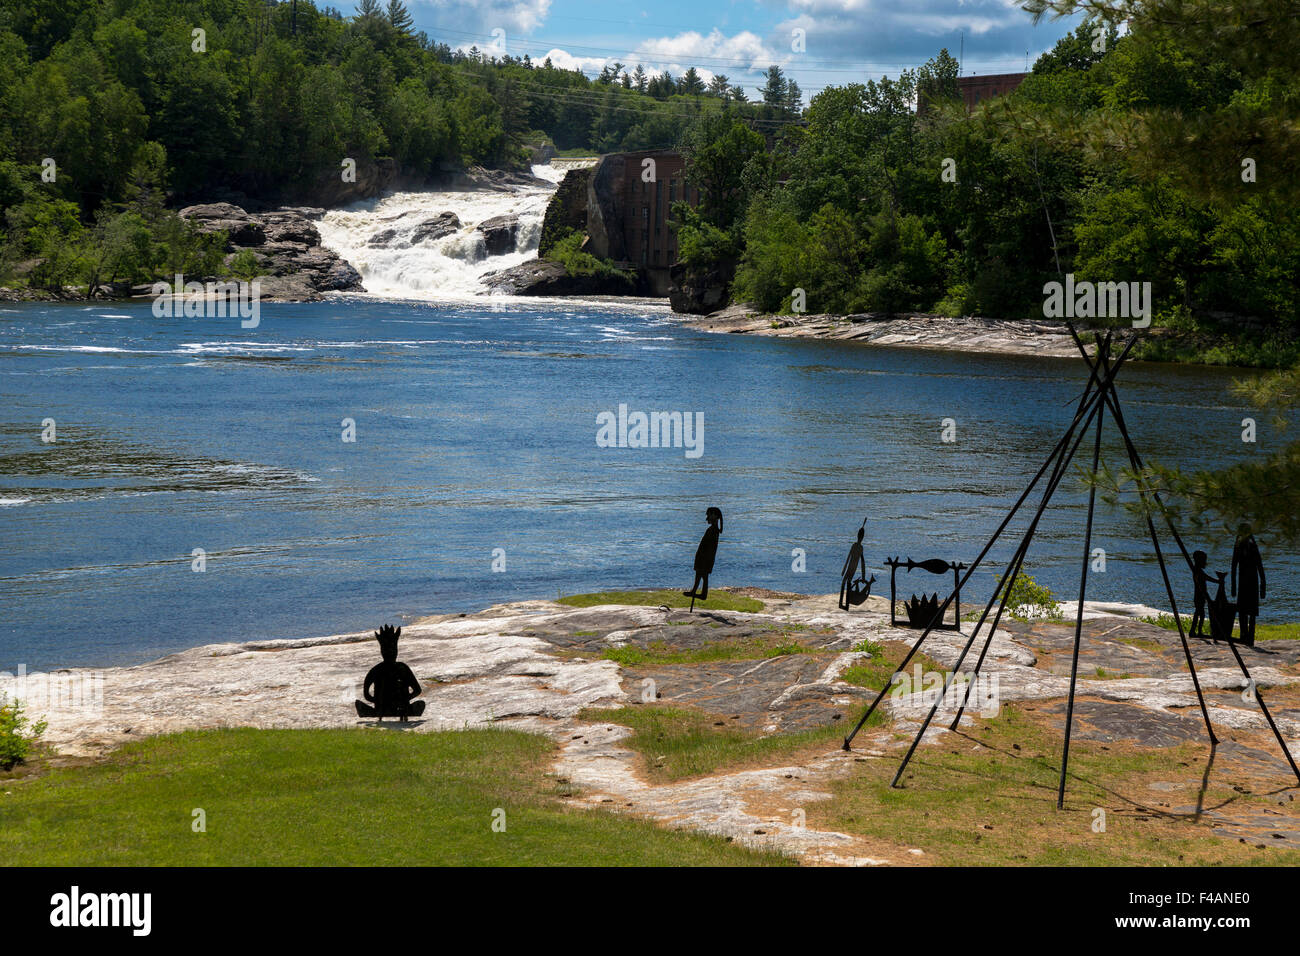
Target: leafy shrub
[
  {"x": 1029, "y": 599},
  {"x": 245, "y": 265},
  {"x": 568, "y": 252},
  {"x": 15, "y": 738}
]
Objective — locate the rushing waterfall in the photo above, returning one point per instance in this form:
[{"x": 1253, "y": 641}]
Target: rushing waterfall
[{"x": 428, "y": 245}]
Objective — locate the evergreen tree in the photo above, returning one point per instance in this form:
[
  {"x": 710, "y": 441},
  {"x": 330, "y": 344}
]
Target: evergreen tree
[
  {"x": 775, "y": 89},
  {"x": 400, "y": 17}
]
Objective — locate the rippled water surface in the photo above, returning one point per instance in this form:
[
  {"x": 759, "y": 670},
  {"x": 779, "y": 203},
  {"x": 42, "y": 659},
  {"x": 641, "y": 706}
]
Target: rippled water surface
[{"x": 475, "y": 430}]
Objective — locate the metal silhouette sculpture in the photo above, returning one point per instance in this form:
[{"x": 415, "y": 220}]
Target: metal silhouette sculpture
[
  {"x": 1099, "y": 395},
  {"x": 1201, "y": 594},
  {"x": 854, "y": 593},
  {"x": 1248, "y": 584},
  {"x": 1218, "y": 611},
  {"x": 391, "y": 688},
  {"x": 705, "y": 555},
  {"x": 924, "y": 611}
]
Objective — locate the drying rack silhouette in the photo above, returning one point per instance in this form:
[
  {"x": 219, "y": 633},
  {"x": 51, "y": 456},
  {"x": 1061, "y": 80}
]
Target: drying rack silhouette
[{"x": 1099, "y": 396}]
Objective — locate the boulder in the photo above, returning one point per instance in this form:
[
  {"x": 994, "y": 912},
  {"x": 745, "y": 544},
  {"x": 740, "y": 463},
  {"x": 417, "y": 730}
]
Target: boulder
[
  {"x": 436, "y": 227},
  {"x": 543, "y": 277},
  {"x": 499, "y": 234},
  {"x": 700, "y": 291}
]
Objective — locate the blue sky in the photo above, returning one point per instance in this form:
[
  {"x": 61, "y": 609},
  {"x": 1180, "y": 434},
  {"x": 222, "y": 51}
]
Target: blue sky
[{"x": 844, "y": 40}]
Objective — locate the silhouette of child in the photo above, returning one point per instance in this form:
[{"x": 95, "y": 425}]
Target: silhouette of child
[
  {"x": 851, "y": 564},
  {"x": 1200, "y": 592},
  {"x": 705, "y": 555},
  {"x": 390, "y": 687}
]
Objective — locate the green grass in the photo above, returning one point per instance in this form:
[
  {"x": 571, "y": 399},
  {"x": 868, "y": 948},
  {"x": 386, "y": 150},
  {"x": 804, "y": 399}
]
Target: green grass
[
  {"x": 329, "y": 798},
  {"x": 660, "y": 652},
  {"x": 1103, "y": 674},
  {"x": 1263, "y": 632},
  {"x": 678, "y": 743},
  {"x": 991, "y": 801},
  {"x": 718, "y": 600},
  {"x": 874, "y": 672}
]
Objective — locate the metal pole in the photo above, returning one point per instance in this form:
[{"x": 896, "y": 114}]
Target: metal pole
[
  {"x": 1135, "y": 459},
  {"x": 1093, "y": 405},
  {"x": 1017, "y": 561},
  {"x": 1264, "y": 707},
  {"x": 1078, "y": 620},
  {"x": 1002, "y": 591}
]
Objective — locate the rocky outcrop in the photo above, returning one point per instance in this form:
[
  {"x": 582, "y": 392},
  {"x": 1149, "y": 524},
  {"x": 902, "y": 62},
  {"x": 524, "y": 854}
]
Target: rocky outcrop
[
  {"x": 605, "y": 208},
  {"x": 966, "y": 334},
  {"x": 543, "y": 277},
  {"x": 700, "y": 291},
  {"x": 567, "y": 210},
  {"x": 499, "y": 234},
  {"x": 286, "y": 243},
  {"x": 372, "y": 178}
]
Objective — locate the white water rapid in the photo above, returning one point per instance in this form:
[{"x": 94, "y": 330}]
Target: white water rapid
[{"x": 382, "y": 237}]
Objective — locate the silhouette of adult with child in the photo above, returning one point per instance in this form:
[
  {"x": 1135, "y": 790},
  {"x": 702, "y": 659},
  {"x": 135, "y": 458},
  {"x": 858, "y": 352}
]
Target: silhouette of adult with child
[
  {"x": 704, "y": 557},
  {"x": 390, "y": 689},
  {"x": 1248, "y": 584}
]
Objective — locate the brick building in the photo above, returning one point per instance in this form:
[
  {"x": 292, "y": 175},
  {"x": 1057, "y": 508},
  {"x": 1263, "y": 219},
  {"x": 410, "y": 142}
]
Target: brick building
[
  {"x": 976, "y": 89},
  {"x": 628, "y": 211}
]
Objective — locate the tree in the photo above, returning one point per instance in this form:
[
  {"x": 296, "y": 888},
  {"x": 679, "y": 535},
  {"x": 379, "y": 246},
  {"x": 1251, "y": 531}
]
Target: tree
[
  {"x": 400, "y": 17},
  {"x": 639, "y": 79},
  {"x": 775, "y": 89},
  {"x": 719, "y": 86},
  {"x": 793, "y": 97},
  {"x": 691, "y": 84},
  {"x": 936, "y": 81}
]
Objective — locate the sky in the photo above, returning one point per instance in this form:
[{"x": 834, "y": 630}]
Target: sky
[{"x": 842, "y": 41}]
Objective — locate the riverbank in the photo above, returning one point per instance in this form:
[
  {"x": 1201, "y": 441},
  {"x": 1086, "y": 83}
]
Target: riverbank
[
  {"x": 966, "y": 334},
  {"x": 774, "y": 691}
]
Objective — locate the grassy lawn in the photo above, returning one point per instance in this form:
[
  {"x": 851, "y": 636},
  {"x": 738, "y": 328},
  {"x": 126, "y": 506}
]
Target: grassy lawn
[
  {"x": 678, "y": 742},
  {"x": 988, "y": 796},
  {"x": 718, "y": 600},
  {"x": 756, "y": 647},
  {"x": 1263, "y": 632},
  {"x": 329, "y": 797}
]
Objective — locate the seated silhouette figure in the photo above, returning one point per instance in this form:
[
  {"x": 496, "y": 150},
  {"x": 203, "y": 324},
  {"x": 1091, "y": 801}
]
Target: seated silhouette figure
[{"x": 390, "y": 689}]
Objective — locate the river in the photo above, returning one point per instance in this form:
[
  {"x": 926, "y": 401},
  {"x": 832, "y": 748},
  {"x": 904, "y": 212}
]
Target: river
[{"x": 476, "y": 476}]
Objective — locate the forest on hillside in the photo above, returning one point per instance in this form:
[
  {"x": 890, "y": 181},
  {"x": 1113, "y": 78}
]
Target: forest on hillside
[
  {"x": 1162, "y": 154},
  {"x": 142, "y": 105}
]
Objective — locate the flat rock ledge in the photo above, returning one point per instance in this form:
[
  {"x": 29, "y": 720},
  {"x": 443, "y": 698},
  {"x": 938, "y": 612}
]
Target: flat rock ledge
[
  {"x": 535, "y": 665},
  {"x": 966, "y": 334}
]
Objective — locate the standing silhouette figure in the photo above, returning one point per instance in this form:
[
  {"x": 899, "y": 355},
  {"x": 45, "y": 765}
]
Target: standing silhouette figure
[
  {"x": 854, "y": 561},
  {"x": 1200, "y": 593},
  {"x": 1248, "y": 584},
  {"x": 704, "y": 557}
]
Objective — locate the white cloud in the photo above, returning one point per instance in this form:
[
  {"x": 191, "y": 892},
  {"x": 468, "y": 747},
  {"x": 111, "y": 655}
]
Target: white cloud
[{"x": 481, "y": 16}]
